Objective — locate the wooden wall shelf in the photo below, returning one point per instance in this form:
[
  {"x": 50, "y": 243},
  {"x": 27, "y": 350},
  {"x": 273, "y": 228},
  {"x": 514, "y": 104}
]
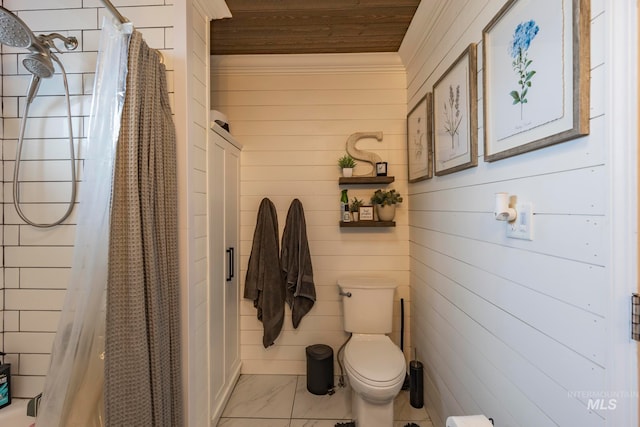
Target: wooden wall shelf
[
  {"x": 363, "y": 224},
  {"x": 355, "y": 180},
  {"x": 364, "y": 180}
]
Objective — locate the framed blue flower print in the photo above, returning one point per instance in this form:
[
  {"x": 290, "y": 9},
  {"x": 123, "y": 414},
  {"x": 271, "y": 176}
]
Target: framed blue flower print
[{"x": 535, "y": 76}]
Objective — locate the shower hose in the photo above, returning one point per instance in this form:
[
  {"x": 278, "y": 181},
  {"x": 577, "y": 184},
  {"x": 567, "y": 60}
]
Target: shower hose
[{"x": 72, "y": 160}]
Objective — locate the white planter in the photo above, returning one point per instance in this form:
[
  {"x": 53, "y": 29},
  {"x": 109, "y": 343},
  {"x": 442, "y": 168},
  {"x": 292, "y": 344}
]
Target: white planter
[
  {"x": 355, "y": 216},
  {"x": 347, "y": 172},
  {"x": 386, "y": 213}
]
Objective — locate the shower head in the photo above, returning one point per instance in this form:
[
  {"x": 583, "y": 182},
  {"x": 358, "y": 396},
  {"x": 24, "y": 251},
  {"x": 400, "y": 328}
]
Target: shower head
[
  {"x": 39, "y": 64},
  {"x": 14, "y": 32}
]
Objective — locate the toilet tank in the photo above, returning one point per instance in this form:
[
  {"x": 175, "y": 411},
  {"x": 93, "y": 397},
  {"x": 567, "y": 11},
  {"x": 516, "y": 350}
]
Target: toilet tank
[{"x": 369, "y": 309}]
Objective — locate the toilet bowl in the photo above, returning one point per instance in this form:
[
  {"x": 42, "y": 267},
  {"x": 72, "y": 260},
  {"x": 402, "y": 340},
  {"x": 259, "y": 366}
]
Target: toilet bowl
[
  {"x": 376, "y": 370},
  {"x": 375, "y": 366}
]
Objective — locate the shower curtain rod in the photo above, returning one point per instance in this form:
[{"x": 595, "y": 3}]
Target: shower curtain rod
[
  {"x": 113, "y": 10},
  {"x": 123, "y": 19}
]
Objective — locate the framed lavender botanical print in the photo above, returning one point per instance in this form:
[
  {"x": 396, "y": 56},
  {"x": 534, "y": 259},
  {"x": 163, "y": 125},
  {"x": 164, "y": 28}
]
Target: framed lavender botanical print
[
  {"x": 536, "y": 76},
  {"x": 419, "y": 140},
  {"x": 455, "y": 115}
]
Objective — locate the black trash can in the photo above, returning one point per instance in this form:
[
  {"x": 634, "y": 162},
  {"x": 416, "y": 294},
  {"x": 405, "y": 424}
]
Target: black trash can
[{"x": 319, "y": 368}]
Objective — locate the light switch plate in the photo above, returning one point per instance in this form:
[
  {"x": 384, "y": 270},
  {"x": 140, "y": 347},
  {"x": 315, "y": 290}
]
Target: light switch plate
[{"x": 522, "y": 227}]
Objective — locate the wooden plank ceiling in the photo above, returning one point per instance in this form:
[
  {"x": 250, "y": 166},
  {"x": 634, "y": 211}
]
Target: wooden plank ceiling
[{"x": 312, "y": 26}]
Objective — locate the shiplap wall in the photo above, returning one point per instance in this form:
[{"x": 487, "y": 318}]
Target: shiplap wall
[
  {"x": 199, "y": 413},
  {"x": 509, "y": 328},
  {"x": 37, "y": 261},
  {"x": 293, "y": 115},
  {"x": 193, "y": 202}
]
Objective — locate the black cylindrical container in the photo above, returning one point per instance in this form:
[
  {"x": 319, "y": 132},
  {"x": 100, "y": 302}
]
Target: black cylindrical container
[
  {"x": 416, "y": 393},
  {"x": 319, "y": 368}
]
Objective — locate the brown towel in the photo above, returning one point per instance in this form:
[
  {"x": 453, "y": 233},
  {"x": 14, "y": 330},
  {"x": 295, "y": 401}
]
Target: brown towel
[
  {"x": 264, "y": 283},
  {"x": 296, "y": 264}
]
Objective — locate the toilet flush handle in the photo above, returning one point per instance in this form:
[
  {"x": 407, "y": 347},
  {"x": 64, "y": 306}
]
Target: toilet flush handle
[{"x": 345, "y": 294}]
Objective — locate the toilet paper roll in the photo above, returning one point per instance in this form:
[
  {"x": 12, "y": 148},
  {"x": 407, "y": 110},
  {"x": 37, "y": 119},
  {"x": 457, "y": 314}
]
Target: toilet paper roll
[{"x": 469, "y": 421}]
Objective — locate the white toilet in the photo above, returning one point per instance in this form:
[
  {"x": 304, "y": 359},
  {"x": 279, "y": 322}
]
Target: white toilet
[{"x": 375, "y": 366}]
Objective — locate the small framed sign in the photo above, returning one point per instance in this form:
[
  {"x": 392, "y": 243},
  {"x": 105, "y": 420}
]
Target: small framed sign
[
  {"x": 366, "y": 213},
  {"x": 381, "y": 169}
]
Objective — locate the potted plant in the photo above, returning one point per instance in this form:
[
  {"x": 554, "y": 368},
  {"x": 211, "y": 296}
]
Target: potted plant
[
  {"x": 385, "y": 202},
  {"x": 347, "y": 163},
  {"x": 354, "y": 207}
]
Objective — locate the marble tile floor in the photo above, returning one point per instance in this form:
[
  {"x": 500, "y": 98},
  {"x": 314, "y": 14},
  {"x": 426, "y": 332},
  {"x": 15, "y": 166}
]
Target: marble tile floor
[{"x": 283, "y": 401}]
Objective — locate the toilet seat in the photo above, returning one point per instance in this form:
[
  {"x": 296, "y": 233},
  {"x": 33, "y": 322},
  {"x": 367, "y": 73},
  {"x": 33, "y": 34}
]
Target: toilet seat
[{"x": 375, "y": 360}]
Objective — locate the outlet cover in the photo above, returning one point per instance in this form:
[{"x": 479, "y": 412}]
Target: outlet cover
[{"x": 522, "y": 227}]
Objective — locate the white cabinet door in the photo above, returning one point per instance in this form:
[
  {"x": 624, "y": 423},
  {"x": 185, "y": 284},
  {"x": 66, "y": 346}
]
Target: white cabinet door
[
  {"x": 217, "y": 268},
  {"x": 223, "y": 202},
  {"x": 232, "y": 301}
]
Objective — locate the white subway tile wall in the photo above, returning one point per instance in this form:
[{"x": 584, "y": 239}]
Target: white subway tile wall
[{"x": 37, "y": 262}]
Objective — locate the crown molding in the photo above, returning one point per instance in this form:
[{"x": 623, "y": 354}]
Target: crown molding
[
  {"x": 388, "y": 62},
  {"x": 215, "y": 9}
]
